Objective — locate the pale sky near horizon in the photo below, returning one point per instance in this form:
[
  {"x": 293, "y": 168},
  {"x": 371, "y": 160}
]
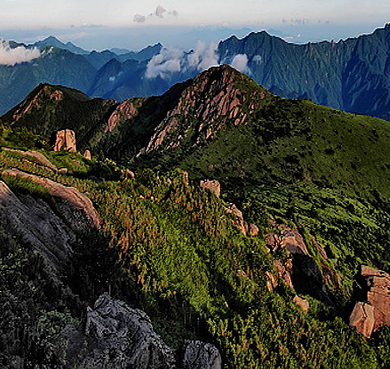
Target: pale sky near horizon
[{"x": 99, "y": 24}]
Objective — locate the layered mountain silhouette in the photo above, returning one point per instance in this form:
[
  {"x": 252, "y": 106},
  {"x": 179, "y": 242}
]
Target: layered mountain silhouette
[{"x": 351, "y": 75}]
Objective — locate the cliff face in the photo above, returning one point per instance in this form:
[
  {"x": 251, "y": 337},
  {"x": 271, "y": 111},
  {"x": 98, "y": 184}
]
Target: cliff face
[
  {"x": 35, "y": 223},
  {"x": 372, "y": 308},
  {"x": 50, "y": 231}
]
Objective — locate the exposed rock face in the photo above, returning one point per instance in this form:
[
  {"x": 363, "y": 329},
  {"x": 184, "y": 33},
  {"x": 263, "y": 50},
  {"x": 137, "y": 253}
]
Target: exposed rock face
[
  {"x": 284, "y": 272},
  {"x": 123, "y": 112},
  {"x": 36, "y": 224},
  {"x": 124, "y": 338},
  {"x": 239, "y": 218},
  {"x": 372, "y": 310},
  {"x": 117, "y": 336},
  {"x": 200, "y": 355},
  {"x": 41, "y": 158},
  {"x": 287, "y": 238},
  {"x": 65, "y": 140},
  {"x": 244, "y": 226},
  {"x": 253, "y": 229},
  {"x": 300, "y": 271},
  {"x": 363, "y": 318},
  {"x": 212, "y": 185},
  {"x": 213, "y": 101},
  {"x": 87, "y": 154},
  {"x": 75, "y": 207},
  {"x": 303, "y": 303}
]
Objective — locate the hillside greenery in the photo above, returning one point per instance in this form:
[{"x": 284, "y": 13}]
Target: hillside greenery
[{"x": 170, "y": 248}]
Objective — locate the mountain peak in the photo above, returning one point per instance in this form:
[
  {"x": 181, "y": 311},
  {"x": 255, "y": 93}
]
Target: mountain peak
[
  {"x": 53, "y": 41},
  {"x": 215, "y": 98}
]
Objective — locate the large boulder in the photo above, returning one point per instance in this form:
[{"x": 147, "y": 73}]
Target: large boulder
[
  {"x": 362, "y": 317},
  {"x": 65, "y": 140},
  {"x": 76, "y": 208},
  {"x": 301, "y": 302},
  {"x": 200, "y": 355},
  {"x": 116, "y": 336},
  {"x": 35, "y": 223},
  {"x": 372, "y": 292},
  {"x": 115, "y": 327}
]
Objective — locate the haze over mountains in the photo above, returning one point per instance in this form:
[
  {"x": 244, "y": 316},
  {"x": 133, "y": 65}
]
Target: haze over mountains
[{"x": 352, "y": 75}]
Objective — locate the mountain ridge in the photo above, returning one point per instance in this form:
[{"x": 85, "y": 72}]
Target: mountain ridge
[{"x": 326, "y": 72}]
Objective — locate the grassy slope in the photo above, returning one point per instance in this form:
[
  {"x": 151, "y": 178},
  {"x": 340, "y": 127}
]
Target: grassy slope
[{"x": 179, "y": 254}]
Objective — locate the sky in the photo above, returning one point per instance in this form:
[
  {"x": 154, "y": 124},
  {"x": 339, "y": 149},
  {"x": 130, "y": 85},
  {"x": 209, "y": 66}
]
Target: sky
[{"x": 130, "y": 24}]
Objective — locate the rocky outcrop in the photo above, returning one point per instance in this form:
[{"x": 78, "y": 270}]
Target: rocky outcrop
[
  {"x": 286, "y": 238},
  {"x": 271, "y": 281},
  {"x": 87, "y": 155},
  {"x": 123, "y": 112},
  {"x": 35, "y": 223},
  {"x": 299, "y": 271},
  {"x": 212, "y": 185},
  {"x": 123, "y": 337},
  {"x": 37, "y": 155},
  {"x": 243, "y": 225},
  {"x": 200, "y": 355},
  {"x": 76, "y": 208},
  {"x": 65, "y": 140},
  {"x": 302, "y": 303},
  {"x": 363, "y": 318},
  {"x": 284, "y": 271},
  {"x": 372, "y": 292},
  {"x": 117, "y": 336}
]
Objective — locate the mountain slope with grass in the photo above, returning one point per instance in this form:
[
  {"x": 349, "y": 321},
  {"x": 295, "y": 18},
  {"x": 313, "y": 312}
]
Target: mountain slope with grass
[{"x": 312, "y": 179}]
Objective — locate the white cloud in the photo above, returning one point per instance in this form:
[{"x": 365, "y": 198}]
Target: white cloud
[
  {"x": 171, "y": 60},
  {"x": 160, "y": 11},
  {"x": 11, "y": 56},
  {"x": 139, "y": 18},
  {"x": 203, "y": 58},
  {"x": 240, "y": 62},
  {"x": 165, "y": 63}
]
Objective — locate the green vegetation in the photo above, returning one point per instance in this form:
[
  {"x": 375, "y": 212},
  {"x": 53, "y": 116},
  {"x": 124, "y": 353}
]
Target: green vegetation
[
  {"x": 170, "y": 248},
  {"x": 175, "y": 253}
]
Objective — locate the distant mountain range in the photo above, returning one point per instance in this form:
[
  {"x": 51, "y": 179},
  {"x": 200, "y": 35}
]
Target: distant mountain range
[{"x": 351, "y": 75}]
